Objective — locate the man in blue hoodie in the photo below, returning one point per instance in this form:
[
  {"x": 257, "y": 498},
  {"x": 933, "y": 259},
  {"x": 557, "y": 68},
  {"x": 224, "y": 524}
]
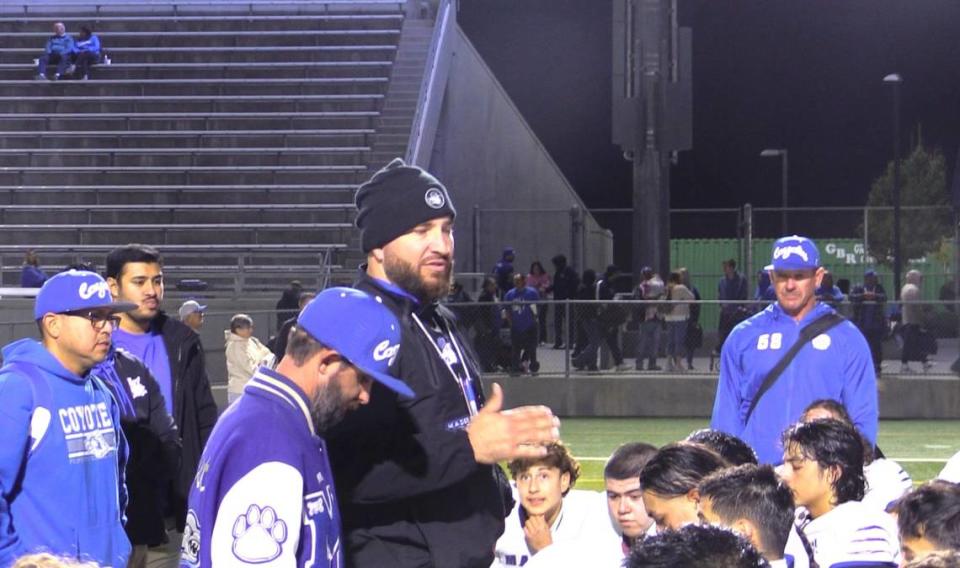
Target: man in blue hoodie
[
  {"x": 62, "y": 453},
  {"x": 835, "y": 364},
  {"x": 60, "y": 50}
]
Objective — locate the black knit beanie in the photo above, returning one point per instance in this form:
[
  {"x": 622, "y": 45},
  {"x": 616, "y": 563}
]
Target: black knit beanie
[{"x": 396, "y": 199}]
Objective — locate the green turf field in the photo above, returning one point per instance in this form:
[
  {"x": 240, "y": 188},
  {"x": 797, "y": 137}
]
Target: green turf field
[{"x": 921, "y": 446}]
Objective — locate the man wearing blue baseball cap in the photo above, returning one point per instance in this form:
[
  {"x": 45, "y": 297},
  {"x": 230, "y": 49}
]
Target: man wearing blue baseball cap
[
  {"x": 264, "y": 490},
  {"x": 62, "y": 453},
  {"x": 791, "y": 354}
]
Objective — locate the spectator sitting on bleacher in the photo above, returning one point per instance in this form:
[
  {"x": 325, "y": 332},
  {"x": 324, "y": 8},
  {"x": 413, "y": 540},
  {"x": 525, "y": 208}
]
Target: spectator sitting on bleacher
[
  {"x": 88, "y": 53},
  {"x": 59, "y": 50},
  {"x": 31, "y": 276}
]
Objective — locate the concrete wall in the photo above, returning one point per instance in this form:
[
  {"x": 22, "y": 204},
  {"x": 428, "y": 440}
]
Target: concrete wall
[
  {"x": 490, "y": 159},
  {"x": 916, "y": 398}
]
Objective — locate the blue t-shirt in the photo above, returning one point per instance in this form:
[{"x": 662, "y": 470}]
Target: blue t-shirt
[
  {"x": 150, "y": 349},
  {"x": 522, "y": 317}
]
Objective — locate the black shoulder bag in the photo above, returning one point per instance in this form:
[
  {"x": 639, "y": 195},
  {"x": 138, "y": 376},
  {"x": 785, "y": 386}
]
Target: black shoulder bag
[{"x": 809, "y": 331}]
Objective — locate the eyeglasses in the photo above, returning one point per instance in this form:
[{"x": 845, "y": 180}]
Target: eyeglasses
[{"x": 97, "y": 319}]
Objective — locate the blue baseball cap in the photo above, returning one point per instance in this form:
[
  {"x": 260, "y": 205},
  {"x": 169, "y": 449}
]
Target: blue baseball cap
[
  {"x": 76, "y": 290},
  {"x": 358, "y": 327},
  {"x": 794, "y": 253}
]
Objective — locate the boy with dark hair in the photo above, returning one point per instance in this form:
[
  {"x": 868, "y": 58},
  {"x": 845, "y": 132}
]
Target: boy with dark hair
[
  {"x": 610, "y": 543},
  {"x": 730, "y": 448},
  {"x": 753, "y": 502},
  {"x": 670, "y": 480},
  {"x": 547, "y": 511},
  {"x": 886, "y": 480},
  {"x": 823, "y": 466},
  {"x": 928, "y": 519},
  {"x": 696, "y": 546},
  {"x": 621, "y": 477},
  {"x": 172, "y": 352}
]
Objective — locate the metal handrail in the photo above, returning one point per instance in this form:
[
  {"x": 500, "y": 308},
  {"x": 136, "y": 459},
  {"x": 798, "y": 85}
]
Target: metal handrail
[{"x": 428, "y": 101}]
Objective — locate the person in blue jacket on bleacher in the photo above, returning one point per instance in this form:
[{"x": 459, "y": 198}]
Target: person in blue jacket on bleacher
[
  {"x": 59, "y": 50},
  {"x": 88, "y": 53}
]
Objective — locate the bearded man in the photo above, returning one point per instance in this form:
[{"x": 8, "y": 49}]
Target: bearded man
[
  {"x": 417, "y": 480},
  {"x": 264, "y": 491}
]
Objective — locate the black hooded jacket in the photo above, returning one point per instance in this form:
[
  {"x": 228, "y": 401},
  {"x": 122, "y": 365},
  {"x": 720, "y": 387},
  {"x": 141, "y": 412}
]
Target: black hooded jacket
[
  {"x": 154, "y": 445},
  {"x": 194, "y": 410},
  {"x": 409, "y": 489}
]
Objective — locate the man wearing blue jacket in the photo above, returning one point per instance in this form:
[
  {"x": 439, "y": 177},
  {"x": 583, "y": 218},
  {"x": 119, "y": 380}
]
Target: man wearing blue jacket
[
  {"x": 264, "y": 492},
  {"x": 59, "y": 50},
  {"x": 62, "y": 453},
  {"x": 836, "y": 364},
  {"x": 88, "y": 53}
]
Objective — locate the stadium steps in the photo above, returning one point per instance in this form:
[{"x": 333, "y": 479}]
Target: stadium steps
[
  {"x": 243, "y": 132},
  {"x": 251, "y": 195}
]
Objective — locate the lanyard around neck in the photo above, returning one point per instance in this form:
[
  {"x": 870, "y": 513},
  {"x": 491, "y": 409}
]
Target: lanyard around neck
[{"x": 472, "y": 406}]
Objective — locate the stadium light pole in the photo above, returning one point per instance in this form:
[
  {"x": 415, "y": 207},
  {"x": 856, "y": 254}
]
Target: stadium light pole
[
  {"x": 894, "y": 80},
  {"x": 782, "y": 154}
]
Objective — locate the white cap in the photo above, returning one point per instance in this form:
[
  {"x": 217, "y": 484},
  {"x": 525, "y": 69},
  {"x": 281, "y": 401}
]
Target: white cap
[{"x": 189, "y": 307}]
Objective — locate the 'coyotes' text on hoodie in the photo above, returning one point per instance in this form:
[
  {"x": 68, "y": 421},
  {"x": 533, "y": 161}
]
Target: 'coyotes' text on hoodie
[{"x": 62, "y": 456}]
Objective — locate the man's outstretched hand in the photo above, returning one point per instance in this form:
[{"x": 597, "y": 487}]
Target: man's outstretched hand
[{"x": 498, "y": 435}]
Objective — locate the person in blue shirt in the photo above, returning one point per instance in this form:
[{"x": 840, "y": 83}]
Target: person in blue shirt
[
  {"x": 503, "y": 270},
  {"x": 264, "y": 492},
  {"x": 521, "y": 311},
  {"x": 829, "y": 292},
  {"x": 32, "y": 276},
  {"x": 835, "y": 364},
  {"x": 59, "y": 51},
  {"x": 175, "y": 357},
  {"x": 88, "y": 53},
  {"x": 62, "y": 452}
]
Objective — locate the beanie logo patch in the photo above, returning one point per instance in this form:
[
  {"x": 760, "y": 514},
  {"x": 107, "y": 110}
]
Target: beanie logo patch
[{"x": 434, "y": 198}]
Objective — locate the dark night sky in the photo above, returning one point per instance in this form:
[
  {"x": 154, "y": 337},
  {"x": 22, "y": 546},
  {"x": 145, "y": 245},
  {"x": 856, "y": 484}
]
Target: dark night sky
[{"x": 805, "y": 75}]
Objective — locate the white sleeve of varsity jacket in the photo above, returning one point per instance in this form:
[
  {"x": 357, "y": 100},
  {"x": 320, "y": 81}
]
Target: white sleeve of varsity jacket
[{"x": 258, "y": 521}]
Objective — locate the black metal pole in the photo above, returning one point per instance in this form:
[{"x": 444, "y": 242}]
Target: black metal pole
[
  {"x": 784, "y": 187},
  {"x": 897, "y": 260}
]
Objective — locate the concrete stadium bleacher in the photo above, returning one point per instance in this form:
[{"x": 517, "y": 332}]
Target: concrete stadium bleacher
[{"x": 231, "y": 134}]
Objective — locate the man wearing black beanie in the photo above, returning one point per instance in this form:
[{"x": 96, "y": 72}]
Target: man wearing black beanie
[{"x": 417, "y": 480}]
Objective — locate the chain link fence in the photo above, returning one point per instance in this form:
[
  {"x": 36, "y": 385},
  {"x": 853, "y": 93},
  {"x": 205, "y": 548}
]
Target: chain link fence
[{"x": 581, "y": 338}]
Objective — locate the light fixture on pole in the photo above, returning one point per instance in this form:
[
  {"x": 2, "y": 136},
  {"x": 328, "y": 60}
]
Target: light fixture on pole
[
  {"x": 894, "y": 80},
  {"x": 780, "y": 153}
]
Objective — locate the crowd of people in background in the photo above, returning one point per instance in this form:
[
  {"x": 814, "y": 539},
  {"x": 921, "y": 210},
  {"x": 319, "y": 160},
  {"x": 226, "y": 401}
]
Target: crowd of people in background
[{"x": 662, "y": 327}]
